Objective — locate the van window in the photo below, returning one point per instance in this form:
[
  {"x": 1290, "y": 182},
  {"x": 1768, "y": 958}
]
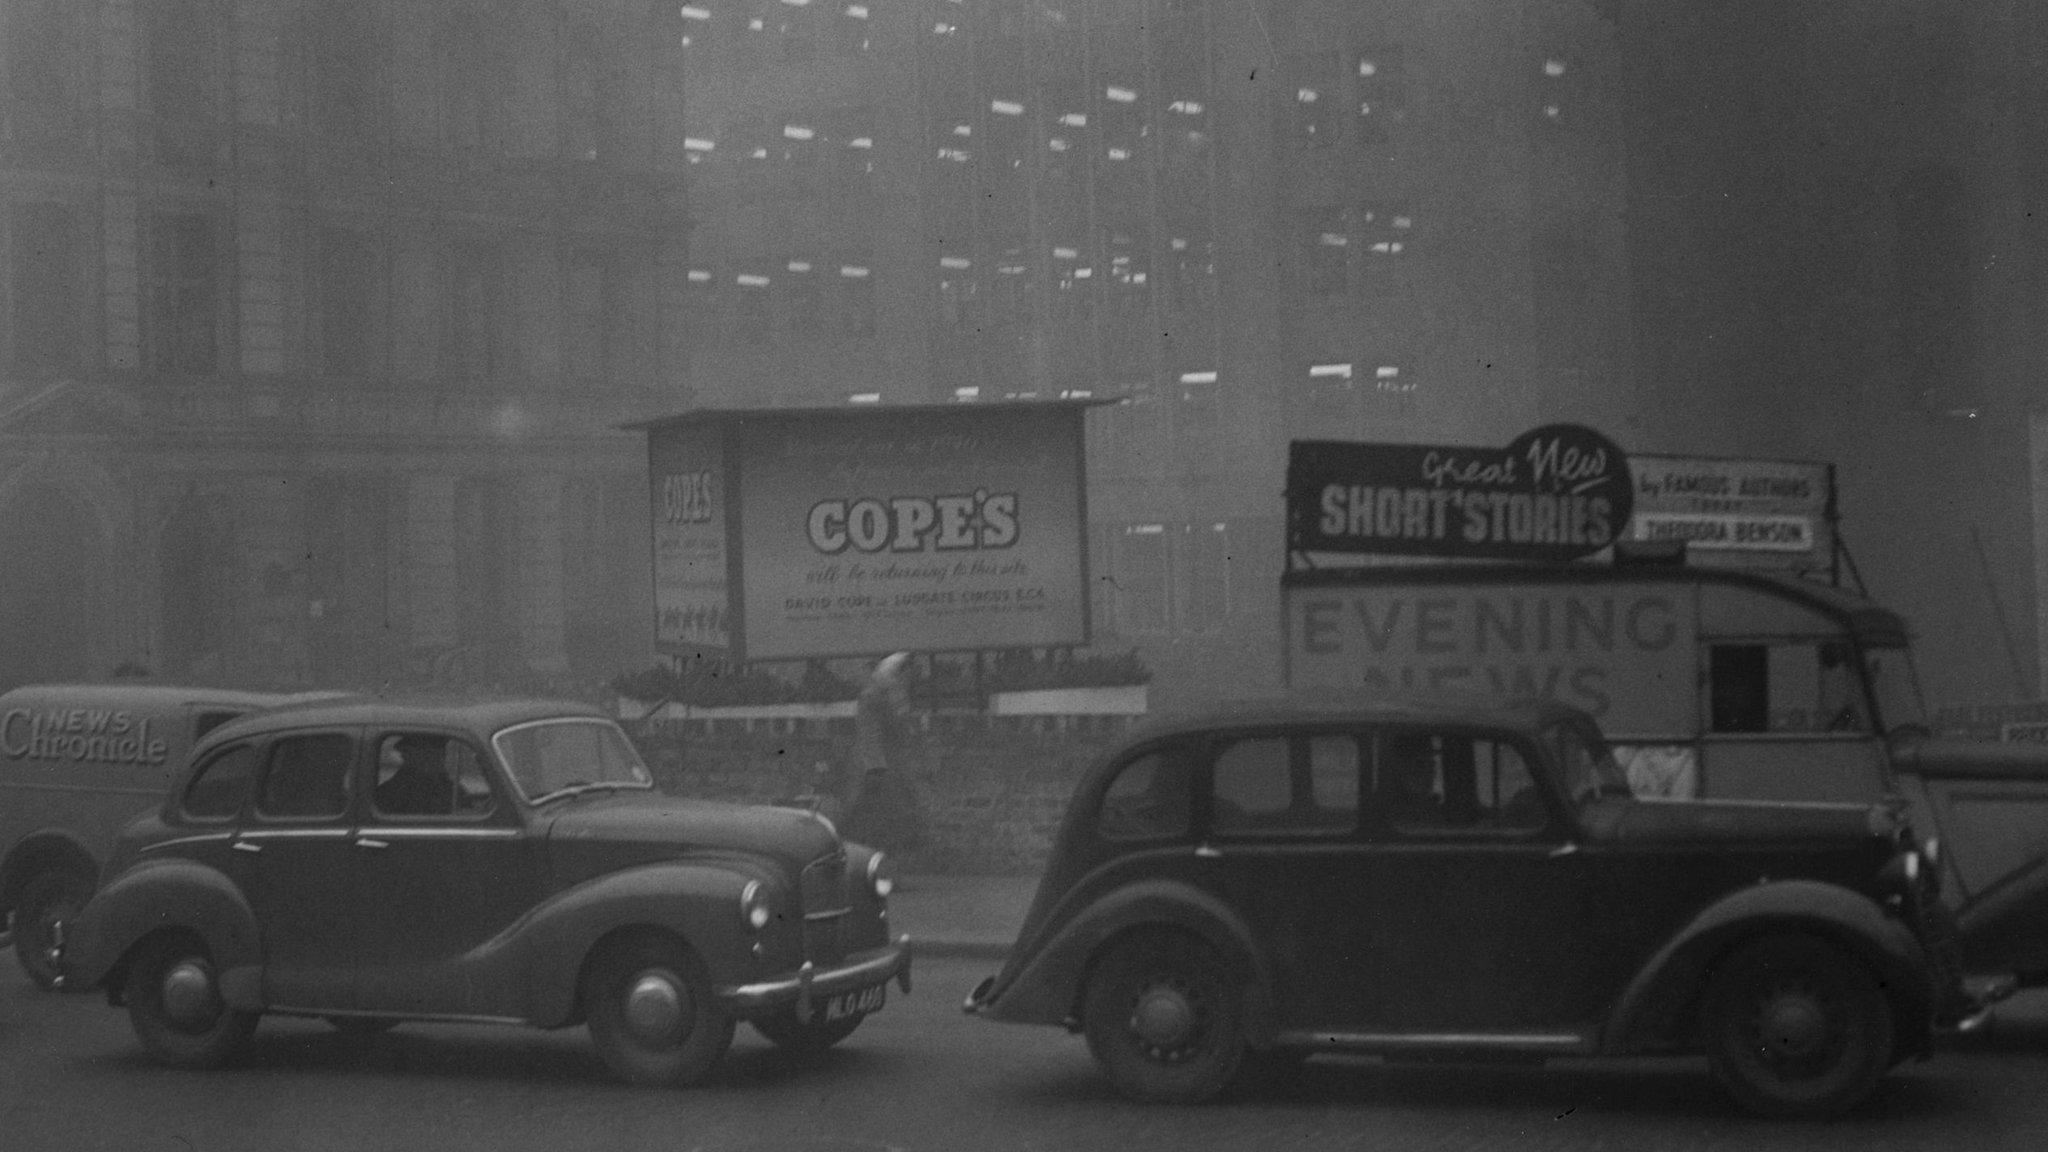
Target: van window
[
  {"x": 1804, "y": 685},
  {"x": 308, "y": 777},
  {"x": 219, "y": 787},
  {"x": 208, "y": 720}
]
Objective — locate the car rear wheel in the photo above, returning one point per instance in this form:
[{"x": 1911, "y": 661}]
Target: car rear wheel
[
  {"x": 1797, "y": 1027},
  {"x": 786, "y": 1032},
  {"x": 47, "y": 900},
  {"x": 1164, "y": 1018},
  {"x": 174, "y": 1004},
  {"x": 652, "y": 1014}
]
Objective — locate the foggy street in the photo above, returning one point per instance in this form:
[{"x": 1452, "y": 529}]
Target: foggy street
[{"x": 921, "y": 1077}]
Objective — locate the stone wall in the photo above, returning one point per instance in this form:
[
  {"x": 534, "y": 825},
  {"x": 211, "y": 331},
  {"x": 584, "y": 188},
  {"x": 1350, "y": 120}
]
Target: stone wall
[{"x": 994, "y": 791}]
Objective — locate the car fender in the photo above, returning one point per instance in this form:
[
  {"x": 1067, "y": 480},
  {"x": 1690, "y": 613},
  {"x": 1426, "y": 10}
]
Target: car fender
[
  {"x": 1656, "y": 1011},
  {"x": 156, "y": 894},
  {"x": 1047, "y": 988},
  {"x": 39, "y": 851},
  {"x": 696, "y": 900}
]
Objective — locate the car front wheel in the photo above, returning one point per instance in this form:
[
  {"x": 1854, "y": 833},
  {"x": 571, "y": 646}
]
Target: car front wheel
[
  {"x": 174, "y": 1004},
  {"x": 652, "y": 1014},
  {"x": 1797, "y": 1027},
  {"x": 1164, "y": 1018}
]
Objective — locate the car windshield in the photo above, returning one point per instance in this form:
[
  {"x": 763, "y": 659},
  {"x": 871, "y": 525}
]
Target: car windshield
[
  {"x": 1590, "y": 770},
  {"x": 555, "y": 757}
]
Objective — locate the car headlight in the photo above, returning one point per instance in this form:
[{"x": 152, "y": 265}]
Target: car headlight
[
  {"x": 754, "y": 907},
  {"x": 880, "y": 882}
]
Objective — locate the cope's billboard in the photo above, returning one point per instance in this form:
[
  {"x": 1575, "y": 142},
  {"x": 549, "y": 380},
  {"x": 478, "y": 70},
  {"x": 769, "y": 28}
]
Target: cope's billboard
[{"x": 862, "y": 531}]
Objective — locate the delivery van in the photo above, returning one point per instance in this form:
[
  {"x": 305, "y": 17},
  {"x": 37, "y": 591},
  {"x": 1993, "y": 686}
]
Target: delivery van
[
  {"x": 1712, "y": 683},
  {"x": 77, "y": 761}
]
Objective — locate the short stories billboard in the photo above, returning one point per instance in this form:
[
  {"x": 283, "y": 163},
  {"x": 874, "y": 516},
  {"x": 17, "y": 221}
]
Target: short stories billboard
[
  {"x": 853, "y": 532},
  {"x": 1558, "y": 492},
  {"x": 1751, "y": 513}
]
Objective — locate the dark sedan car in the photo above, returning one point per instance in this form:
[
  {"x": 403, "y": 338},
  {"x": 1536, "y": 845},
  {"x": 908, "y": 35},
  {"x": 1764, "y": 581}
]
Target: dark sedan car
[
  {"x": 1448, "y": 881},
  {"x": 374, "y": 861}
]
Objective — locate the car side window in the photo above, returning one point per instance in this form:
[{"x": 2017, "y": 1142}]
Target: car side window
[
  {"x": 221, "y": 784},
  {"x": 1455, "y": 783},
  {"x": 307, "y": 777},
  {"x": 429, "y": 775},
  {"x": 1285, "y": 784},
  {"x": 1148, "y": 799}
]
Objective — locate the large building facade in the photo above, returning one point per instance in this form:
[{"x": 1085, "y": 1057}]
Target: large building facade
[
  {"x": 318, "y": 318},
  {"x": 1251, "y": 221}
]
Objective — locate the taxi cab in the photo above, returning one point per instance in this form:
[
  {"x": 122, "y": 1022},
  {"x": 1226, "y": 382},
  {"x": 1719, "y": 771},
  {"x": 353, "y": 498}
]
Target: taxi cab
[
  {"x": 375, "y": 861},
  {"x": 1234, "y": 892}
]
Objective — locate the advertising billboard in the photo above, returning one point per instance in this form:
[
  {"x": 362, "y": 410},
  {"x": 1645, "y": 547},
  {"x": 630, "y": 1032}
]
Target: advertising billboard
[
  {"x": 860, "y": 531},
  {"x": 1752, "y": 513},
  {"x": 1558, "y": 492},
  {"x": 1624, "y": 652}
]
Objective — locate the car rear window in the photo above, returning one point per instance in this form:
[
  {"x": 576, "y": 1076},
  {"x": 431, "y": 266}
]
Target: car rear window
[
  {"x": 1149, "y": 798},
  {"x": 221, "y": 784}
]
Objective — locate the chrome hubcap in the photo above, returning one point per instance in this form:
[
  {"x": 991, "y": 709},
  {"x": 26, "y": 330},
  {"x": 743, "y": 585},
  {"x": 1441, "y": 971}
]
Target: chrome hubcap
[
  {"x": 188, "y": 995},
  {"x": 1794, "y": 1026},
  {"x": 1163, "y": 1018},
  {"x": 654, "y": 1008}
]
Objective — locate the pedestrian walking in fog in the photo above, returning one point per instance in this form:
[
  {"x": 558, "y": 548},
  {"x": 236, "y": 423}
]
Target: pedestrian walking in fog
[{"x": 886, "y": 810}]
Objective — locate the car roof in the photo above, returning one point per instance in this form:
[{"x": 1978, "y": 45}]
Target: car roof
[
  {"x": 147, "y": 695},
  {"x": 474, "y": 713},
  {"x": 1332, "y": 706}
]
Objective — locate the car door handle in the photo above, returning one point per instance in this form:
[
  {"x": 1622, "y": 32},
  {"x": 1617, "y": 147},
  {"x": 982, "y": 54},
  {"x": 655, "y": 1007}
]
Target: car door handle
[
  {"x": 1568, "y": 848},
  {"x": 246, "y": 846},
  {"x": 367, "y": 842}
]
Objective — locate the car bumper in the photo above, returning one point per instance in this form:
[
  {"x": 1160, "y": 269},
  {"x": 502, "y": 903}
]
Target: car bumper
[{"x": 810, "y": 986}]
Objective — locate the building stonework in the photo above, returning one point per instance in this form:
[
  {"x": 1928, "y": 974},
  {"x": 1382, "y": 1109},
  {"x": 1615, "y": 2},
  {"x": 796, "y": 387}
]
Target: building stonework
[
  {"x": 413, "y": 262},
  {"x": 287, "y": 293}
]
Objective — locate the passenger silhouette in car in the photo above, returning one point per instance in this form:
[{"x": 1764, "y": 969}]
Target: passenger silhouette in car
[{"x": 410, "y": 778}]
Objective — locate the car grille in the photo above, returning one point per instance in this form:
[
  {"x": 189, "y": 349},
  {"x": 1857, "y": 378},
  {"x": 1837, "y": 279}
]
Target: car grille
[{"x": 826, "y": 909}]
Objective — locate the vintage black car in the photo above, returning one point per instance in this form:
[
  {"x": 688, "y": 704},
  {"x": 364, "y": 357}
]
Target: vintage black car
[
  {"x": 1444, "y": 880},
  {"x": 372, "y": 861}
]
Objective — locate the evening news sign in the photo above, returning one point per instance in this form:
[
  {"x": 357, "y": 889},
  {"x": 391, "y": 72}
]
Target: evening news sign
[{"x": 804, "y": 534}]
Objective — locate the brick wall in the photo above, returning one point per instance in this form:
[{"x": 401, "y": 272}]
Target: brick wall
[{"x": 993, "y": 796}]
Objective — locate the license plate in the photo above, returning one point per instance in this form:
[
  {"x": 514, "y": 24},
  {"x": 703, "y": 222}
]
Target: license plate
[{"x": 858, "y": 1003}]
